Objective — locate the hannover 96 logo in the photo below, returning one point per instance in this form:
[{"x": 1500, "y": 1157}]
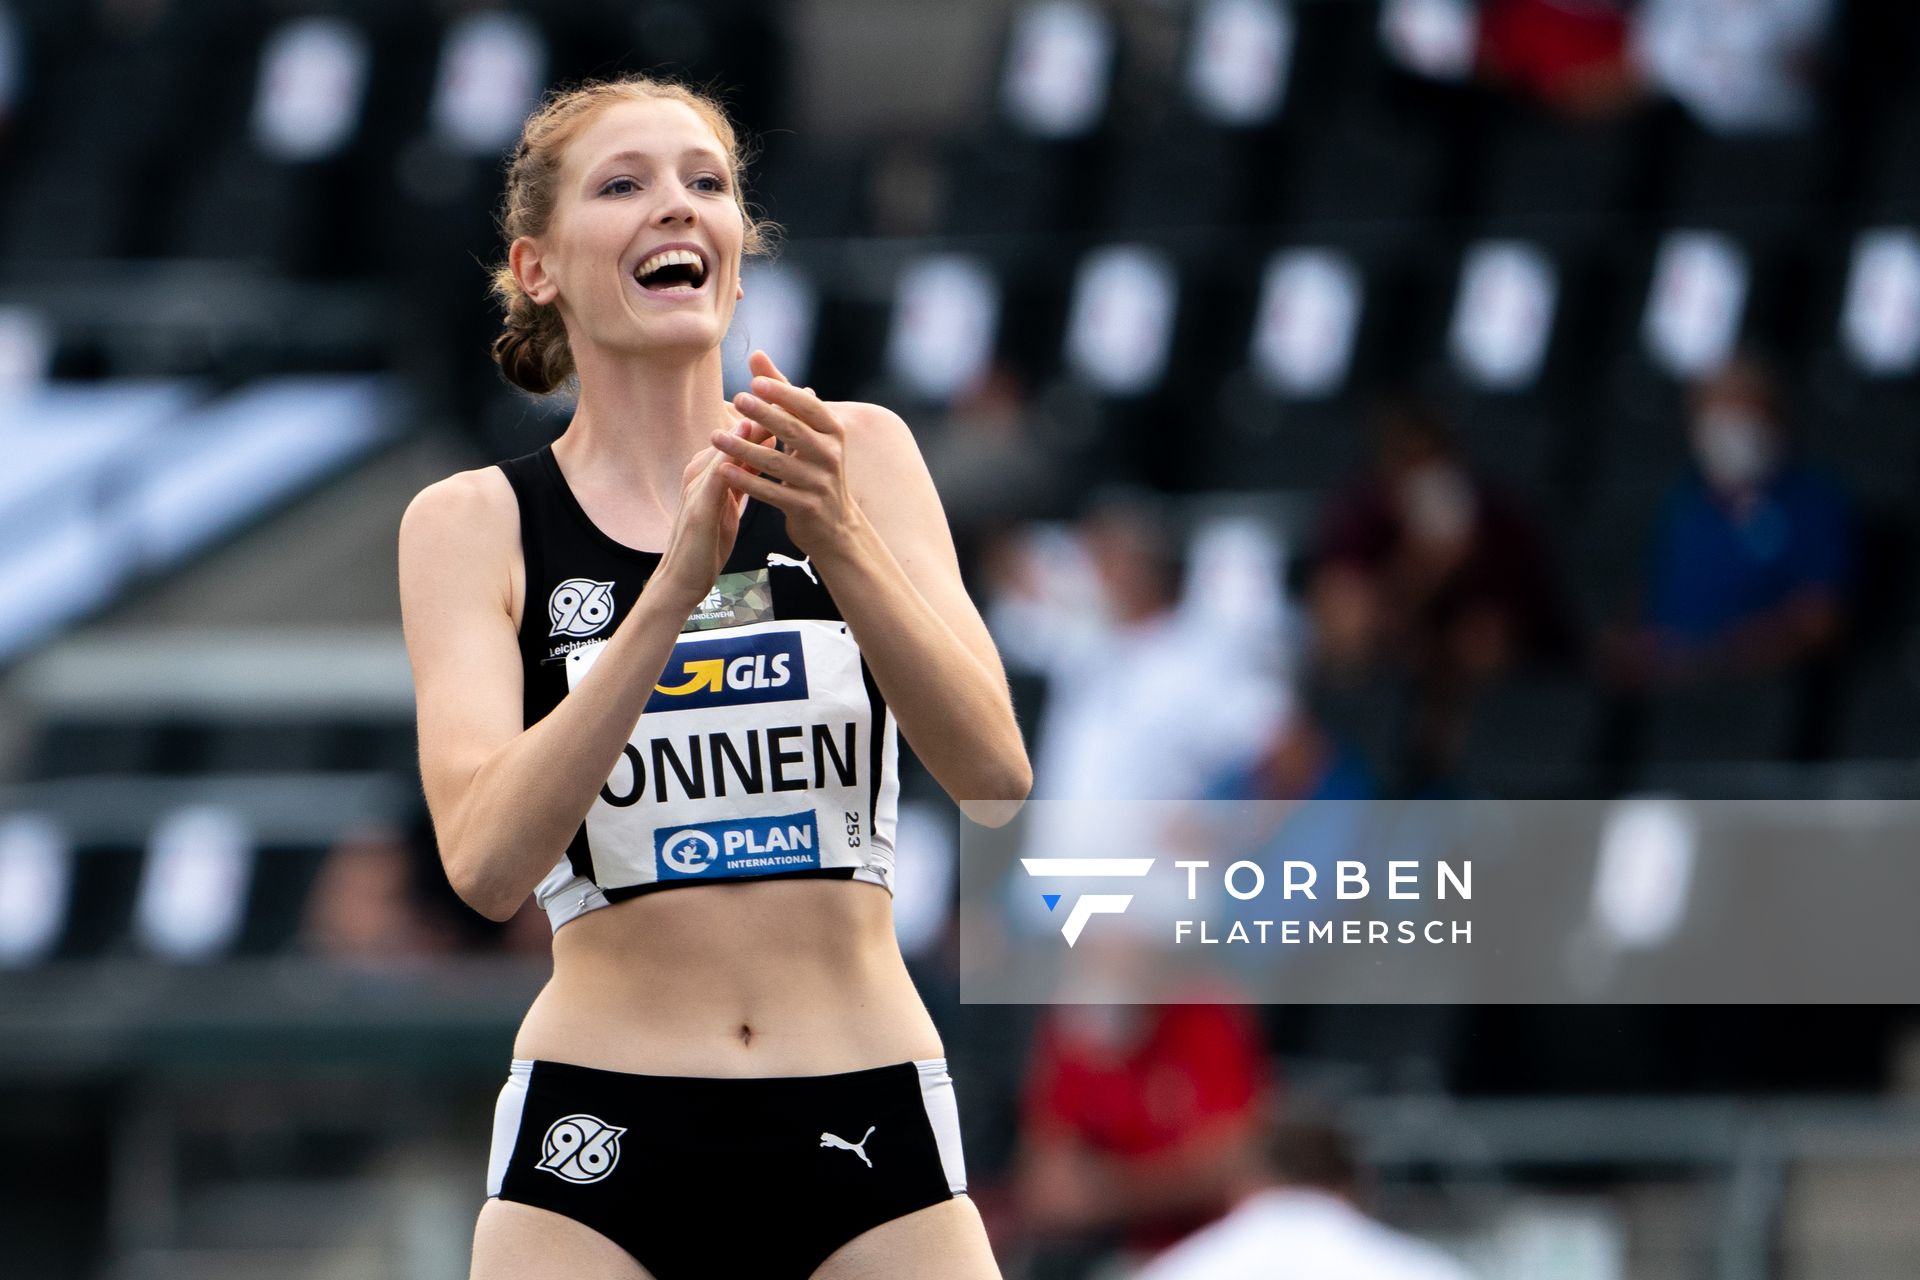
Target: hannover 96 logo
[
  {"x": 580, "y": 607},
  {"x": 580, "y": 1148}
]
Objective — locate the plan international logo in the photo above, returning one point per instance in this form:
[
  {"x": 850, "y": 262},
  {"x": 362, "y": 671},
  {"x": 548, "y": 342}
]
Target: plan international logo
[{"x": 1087, "y": 905}]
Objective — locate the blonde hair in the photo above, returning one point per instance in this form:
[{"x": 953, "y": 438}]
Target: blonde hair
[{"x": 532, "y": 349}]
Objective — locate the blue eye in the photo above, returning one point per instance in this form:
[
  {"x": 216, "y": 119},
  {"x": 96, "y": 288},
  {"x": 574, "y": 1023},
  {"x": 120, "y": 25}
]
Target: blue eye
[{"x": 719, "y": 184}]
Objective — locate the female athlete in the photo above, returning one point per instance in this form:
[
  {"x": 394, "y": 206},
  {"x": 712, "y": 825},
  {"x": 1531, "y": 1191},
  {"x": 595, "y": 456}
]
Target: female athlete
[{"x": 687, "y": 755}]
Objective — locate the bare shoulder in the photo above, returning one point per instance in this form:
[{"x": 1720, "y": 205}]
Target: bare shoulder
[
  {"x": 876, "y": 421},
  {"x": 473, "y": 501},
  {"x": 461, "y": 535},
  {"x": 882, "y": 454}
]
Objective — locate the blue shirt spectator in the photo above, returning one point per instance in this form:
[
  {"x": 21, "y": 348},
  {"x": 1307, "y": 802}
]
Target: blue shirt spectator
[
  {"x": 1718, "y": 563},
  {"x": 1753, "y": 556}
]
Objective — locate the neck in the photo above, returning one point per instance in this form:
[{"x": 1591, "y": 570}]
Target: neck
[{"x": 640, "y": 417}]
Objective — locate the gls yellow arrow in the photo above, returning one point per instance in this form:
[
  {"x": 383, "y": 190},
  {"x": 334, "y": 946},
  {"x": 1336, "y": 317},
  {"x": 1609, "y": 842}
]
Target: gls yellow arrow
[{"x": 705, "y": 674}]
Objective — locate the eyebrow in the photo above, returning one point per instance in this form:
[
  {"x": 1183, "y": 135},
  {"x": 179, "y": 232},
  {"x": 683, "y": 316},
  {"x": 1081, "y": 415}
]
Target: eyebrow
[{"x": 707, "y": 153}]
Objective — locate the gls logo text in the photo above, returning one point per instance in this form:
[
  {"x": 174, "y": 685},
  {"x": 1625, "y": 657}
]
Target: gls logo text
[
  {"x": 1087, "y": 905},
  {"x": 731, "y": 671},
  {"x": 580, "y": 607}
]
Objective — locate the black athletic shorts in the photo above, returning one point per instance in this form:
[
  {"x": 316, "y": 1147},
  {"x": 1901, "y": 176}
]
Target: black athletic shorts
[{"x": 699, "y": 1176}]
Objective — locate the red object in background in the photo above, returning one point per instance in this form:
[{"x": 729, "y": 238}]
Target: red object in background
[
  {"x": 1188, "y": 1068},
  {"x": 1552, "y": 49}
]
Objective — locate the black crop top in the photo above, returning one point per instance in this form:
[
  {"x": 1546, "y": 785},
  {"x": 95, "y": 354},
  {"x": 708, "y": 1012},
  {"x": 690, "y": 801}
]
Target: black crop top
[{"x": 766, "y": 749}]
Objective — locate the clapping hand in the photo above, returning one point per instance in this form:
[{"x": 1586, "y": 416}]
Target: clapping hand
[{"x": 807, "y": 479}]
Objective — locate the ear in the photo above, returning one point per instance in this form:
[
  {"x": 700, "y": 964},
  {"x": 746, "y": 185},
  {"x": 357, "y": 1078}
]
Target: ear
[{"x": 524, "y": 257}]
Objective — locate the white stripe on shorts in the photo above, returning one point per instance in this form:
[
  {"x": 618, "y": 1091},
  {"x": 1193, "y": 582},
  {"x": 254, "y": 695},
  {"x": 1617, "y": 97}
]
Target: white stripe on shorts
[
  {"x": 943, "y": 1112},
  {"x": 506, "y": 1122}
]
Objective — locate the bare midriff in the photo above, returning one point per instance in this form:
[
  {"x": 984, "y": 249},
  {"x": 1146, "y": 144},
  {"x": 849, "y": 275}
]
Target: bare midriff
[{"x": 762, "y": 978}]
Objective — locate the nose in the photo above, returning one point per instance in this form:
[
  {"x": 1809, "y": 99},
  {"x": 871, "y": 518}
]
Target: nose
[{"x": 675, "y": 204}]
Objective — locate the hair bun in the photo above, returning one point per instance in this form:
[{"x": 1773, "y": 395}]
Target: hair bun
[{"x": 518, "y": 354}]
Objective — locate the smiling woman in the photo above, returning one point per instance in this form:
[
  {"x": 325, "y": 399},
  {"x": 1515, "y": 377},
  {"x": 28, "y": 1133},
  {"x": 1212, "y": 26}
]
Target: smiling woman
[
  {"x": 532, "y": 349},
  {"x": 688, "y": 756}
]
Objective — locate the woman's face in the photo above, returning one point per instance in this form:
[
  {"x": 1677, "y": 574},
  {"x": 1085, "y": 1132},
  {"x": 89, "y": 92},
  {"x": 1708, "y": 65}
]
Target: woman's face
[{"x": 642, "y": 175}]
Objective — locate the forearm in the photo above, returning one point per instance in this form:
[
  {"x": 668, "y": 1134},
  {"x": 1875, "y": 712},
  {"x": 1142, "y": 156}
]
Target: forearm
[
  {"x": 954, "y": 710},
  {"x": 523, "y": 805}
]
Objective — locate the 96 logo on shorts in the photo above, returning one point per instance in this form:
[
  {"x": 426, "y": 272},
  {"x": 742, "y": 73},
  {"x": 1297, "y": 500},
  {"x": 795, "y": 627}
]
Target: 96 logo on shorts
[
  {"x": 580, "y": 1148},
  {"x": 580, "y": 607}
]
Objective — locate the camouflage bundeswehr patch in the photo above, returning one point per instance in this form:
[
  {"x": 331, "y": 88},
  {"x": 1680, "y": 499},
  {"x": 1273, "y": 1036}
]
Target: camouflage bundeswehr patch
[{"x": 736, "y": 600}]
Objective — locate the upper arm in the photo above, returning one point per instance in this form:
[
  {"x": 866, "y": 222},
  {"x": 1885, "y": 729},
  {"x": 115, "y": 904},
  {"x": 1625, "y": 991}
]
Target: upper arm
[
  {"x": 891, "y": 483},
  {"x": 458, "y": 538}
]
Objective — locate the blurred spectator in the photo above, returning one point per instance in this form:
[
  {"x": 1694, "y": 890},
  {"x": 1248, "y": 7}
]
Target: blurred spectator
[
  {"x": 1150, "y": 693},
  {"x": 985, "y": 461},
  {"x": 1430, "y": 569},
  {"x": 1569, "y": 55},
  {"x": 1300, "y": 761},
  {"x": 1754, "y": 552},
  {"x": 1326, "y": 783},
  {"x": 363, "y": 909},
  {"x": 1139, "y": 1120},
  {"x": 1737, "y": 65},
  {"x": 1299, "y": 1220}
]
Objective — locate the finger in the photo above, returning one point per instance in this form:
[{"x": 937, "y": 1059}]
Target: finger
[
  {"x": 765, "y": 367},
  {"x": 776, "y": 419},
  {"x": 753, "y": 431},
  {"x": 798, "y": 401},
  {"x": 755, "y": 457},
  {"x": 759, "y": 488},
  {"x": 774, "y": 371}
]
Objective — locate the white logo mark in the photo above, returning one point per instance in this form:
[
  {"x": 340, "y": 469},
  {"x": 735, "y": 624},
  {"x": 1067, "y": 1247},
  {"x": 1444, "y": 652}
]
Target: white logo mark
[
  {"x": 580, "y": 607},
  {"x": 805, "y": 564},
  {"x": 1091, "y": 904},
  {"x": 690, "y": 852},
  {"x": 580, "y": 1148},
  {"x": 858, "y": 1148}
]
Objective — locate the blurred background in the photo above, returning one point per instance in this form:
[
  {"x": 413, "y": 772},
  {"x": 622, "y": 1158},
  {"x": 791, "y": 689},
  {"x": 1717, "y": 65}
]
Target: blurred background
[{"x": 1330, "y": 398}]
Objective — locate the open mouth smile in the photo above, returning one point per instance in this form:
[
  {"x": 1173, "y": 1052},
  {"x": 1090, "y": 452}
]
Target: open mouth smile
[{"x": 671, "y": 273}]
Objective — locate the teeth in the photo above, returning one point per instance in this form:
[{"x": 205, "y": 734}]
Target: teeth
[{"x": 669, "y": 258}]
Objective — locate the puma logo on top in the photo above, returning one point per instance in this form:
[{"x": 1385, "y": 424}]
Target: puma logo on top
[
  {"x": 858, "y": 1148},
  {"x": 805, "y": 564}
]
